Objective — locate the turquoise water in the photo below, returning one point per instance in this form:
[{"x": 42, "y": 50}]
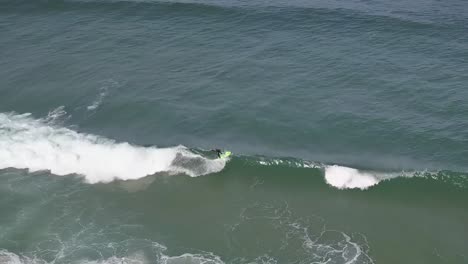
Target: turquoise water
[{"x": 347, "y": 121}]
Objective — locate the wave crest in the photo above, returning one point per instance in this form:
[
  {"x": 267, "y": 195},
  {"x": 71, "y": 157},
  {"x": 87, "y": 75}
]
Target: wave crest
[
  {"x": 36, "y": 145},
  {"x": 349, "y": 178}
]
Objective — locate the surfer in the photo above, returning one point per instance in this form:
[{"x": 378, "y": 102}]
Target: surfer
[{"x": 218, "y": 152}]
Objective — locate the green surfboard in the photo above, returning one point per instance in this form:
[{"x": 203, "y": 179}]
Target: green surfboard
[{"x": 225, "y": 154}]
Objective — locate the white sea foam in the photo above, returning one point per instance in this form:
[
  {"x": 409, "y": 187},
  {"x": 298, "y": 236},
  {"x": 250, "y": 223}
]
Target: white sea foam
[
  {"x": 187, "y": 258},
  {"x": 36, "y": 145},
  {"x": 295, "y": 163},
  {"x": 137, "y": 257},
  {"x": 338, "y": 176},
  {"x": 103, "y": 92},
  {"x": 56, "y": 114},
  {"x": 307, "y": 238},
  {"x": 349, "y": 178},
  {"x": 7, "y": 257}
]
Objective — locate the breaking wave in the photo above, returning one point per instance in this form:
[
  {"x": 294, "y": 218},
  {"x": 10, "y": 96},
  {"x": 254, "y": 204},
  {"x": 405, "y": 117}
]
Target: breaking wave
[
  {"x": 343, "y": 177},
  {"x": 38, "y": 145},
  {"x": 44, "y": 145}
]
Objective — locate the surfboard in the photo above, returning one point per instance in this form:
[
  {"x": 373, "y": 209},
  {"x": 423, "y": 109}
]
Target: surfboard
[{"x": 225, "y": 155}]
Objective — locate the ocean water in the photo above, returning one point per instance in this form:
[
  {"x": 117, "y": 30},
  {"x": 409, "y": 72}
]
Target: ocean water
[{"x": 348, "y": 121}]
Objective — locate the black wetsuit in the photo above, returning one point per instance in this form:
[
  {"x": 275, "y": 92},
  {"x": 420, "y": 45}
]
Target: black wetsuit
[{"x": 218, "y": 152}]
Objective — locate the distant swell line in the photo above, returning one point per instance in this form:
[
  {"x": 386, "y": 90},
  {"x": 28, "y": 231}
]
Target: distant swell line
[{"x": 276, "y": 9}]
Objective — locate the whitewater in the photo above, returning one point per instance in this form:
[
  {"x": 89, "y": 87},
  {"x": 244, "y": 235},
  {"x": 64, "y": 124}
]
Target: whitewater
[{"x": 38, "y": 145}]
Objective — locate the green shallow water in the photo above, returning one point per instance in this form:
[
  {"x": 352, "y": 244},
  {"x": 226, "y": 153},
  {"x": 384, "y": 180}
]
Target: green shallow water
[
  {"x": 347, "y": 121},
  {"x": 244, "y": 214}
]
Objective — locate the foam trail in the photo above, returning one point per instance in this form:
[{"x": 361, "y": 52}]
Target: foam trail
[
  {"x": 103, "y": 92},
  {"x": 7, "y": 257},
  {"x": 349, "y": 178},
  {"x": 192, "y": 259},
  {"x": 36, "y": 145}
]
